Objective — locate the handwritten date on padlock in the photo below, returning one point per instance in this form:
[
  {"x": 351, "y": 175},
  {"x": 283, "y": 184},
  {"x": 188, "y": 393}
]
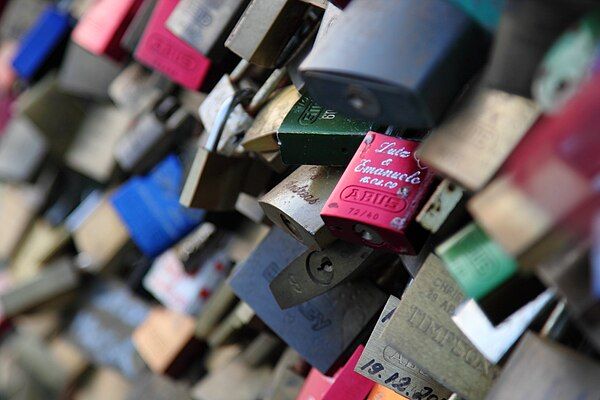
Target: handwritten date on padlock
[{"x": 379, "y": 194}]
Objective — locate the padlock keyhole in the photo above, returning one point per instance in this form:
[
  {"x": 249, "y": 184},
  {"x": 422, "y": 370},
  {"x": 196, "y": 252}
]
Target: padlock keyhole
[{"x": 326, "y": 265}]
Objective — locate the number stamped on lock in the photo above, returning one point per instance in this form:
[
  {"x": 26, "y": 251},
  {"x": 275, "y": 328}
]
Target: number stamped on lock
[{"x": 386, "y": 366}]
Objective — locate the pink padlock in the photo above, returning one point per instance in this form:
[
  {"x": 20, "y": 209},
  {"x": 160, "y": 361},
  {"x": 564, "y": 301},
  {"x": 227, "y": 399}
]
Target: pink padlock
[
  {"x": 378, "y": 196},
  {"x": 159, "y": 49},
  {"x": 349, "y": 385},
  {"x": 103, "y": 25}
]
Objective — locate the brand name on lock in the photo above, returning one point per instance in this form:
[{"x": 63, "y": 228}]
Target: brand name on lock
[
  {"x": 375, "y": 198},
  {"x": 161, "y": 47}
]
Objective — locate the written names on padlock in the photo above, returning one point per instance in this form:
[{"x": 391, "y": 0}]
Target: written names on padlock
[
  {"x": 378, "y": 196},
  {"x": 294, "y": 204}
]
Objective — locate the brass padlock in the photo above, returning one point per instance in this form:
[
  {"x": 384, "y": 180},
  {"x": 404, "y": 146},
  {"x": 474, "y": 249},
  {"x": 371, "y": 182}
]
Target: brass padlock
[
  {"x": 315, "y": 272},
  {"x": 294, "y": 205},
  {"x": 241, "y": 118},
  {"x": 261, "y": 136},
  {"x": 214, "y": 181},
  {"x": 269, "y": 30}
]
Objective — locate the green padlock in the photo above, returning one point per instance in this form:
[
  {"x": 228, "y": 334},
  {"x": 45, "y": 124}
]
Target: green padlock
[
  {"x": 312, "y": 135},
  {"x": 476, "y": 262}
]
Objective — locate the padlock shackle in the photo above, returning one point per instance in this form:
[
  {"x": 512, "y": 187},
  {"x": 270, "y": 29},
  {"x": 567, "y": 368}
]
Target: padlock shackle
[{"x": 214, "y": 136}]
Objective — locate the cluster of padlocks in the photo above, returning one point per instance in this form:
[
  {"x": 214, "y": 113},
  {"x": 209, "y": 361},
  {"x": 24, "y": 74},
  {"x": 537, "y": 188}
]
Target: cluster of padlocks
[{"x": 300, "y": 199}]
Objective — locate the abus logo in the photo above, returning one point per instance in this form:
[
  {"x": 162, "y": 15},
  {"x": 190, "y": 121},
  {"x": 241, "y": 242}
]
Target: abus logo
[
  {"x": 163, "y": 48},
  {"x": 375, "y": 198}
]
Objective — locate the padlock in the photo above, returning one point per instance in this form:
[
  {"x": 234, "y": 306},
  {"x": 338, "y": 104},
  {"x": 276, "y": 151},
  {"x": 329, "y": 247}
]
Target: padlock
[
  {"x": 348, "y": 384},
  {"x": 532, "y": 369},
  {"x": 486, "y": 12},
  {"x": 294, "y": 204},
  {"x": 133, "y": 33},
  {"x": 55, "y": 279},
  {"x": 165, "y": 341},
  {"x": 152, "y": 136},
  {"x": 567, "y": 64},
  {"x": 379, "y": 194},
  {"x": 268, "y": 31},
  {"x": 137, "y": 89},
  {"x": 241, "y": 118},
  {"x": 442, "y": 202},
  {"x": 261, "y": 136},
  {"x": 315, "y": 385},
  {"x": 23, "y": 149},
  {"x": 19, "y": 204},
  {"x": 330, "y": 16},
  {"x": 313, "y": 135},
  {"x": 477, "y": 263},
  {"x": 477, "y": 137},
  {"x": 495, "y": 341},
  {"x": 204, "y": 24},
  {"x": 181, "y": 291},
  {"x": 103, "y": 326},
  {"x": 526, "y": 31},
  {"x": 231, "y": 326},
  {"x": 103, "y": 25},
  {"x": 400, "y": 81},
  {"x": 218, "y": 306},
  {"x": 487, "y": 274},
  {"x": 161, "y": 50},
  {"x": 99, "y": 235},
  {"x": 316, "y": 272},
  {"x": 71, "y": 189},
  {"x": 85, "y": 74},
  {"x": 385, "y": 366},
  {"x": 557, "y": 152},
  {"x": 150, "y": 209},
  {"x": 91, "y": 152},
  {"x": 319, "y": 320},
  {"x": 33, "y": 355},
  {"x": 215, "y": 181},
  {"x": 57, "y": 114},
  {"x": 40, "y": 245},
  {"x": 421, "y": 329},
  {"x": 43, "y": 42}
]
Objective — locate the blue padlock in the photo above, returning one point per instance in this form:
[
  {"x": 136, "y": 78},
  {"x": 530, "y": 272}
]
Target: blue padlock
[
  {"x": 149, "y": 207},
  {"x": 42, "y": 41}
]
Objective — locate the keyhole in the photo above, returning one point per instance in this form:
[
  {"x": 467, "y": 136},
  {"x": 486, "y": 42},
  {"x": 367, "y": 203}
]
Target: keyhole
[{"x": 326, "y": 265}]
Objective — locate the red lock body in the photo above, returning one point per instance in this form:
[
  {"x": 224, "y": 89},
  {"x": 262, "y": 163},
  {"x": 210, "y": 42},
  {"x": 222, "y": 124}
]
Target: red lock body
[
  {"x": 378, "y": 196},
  {"x": 103, "y": 25},
  {"x": 161, "y": 50}
]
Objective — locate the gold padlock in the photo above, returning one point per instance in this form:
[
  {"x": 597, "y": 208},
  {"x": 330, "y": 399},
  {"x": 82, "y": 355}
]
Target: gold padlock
[
  {"x": 215, "y": 181},
  {"x": 294, "y": 205}
]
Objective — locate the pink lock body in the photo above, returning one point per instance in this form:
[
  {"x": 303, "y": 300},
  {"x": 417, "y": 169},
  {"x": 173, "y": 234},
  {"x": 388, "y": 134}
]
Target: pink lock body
[
  {"x": 161, "y": 50},
  {"x": 102, "y": 27},
  {"x": 378, "y": 196}
]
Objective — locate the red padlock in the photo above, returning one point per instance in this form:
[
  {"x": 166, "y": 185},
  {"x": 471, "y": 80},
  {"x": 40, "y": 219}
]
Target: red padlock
[
  {"x": 379, "y": 194},
  {"x": 164, "y": 52},
  {"x": 103, "y": 25}
]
